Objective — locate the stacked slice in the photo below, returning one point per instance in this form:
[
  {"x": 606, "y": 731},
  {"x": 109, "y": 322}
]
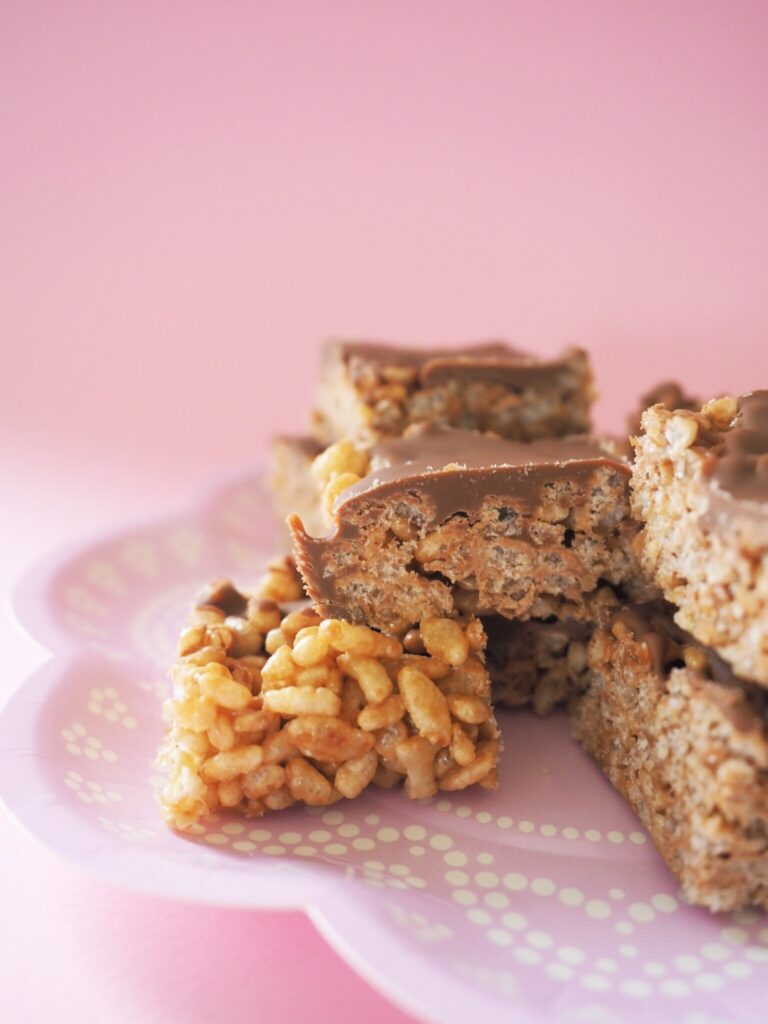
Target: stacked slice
[
  {"x": 686, "y": 743},
  {"x": 377, "y": 391},
  {"x": 679, "y": 727},
  {"x": 701, "y": 491},
  {"x": 373, "y": 392}
]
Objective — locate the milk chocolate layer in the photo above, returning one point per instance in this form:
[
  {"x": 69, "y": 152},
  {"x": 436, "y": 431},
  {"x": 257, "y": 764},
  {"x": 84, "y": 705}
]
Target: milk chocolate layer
[
  {"x": 494, "y": 361},
  {"x": 458, "y": 470}
]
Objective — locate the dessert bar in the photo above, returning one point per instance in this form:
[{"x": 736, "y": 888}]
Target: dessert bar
[
  {"x": 686, "y": 742},
  {"x": 700, "y": 488},
  {"x": 368, "y": 391},
  {"x": 451, "y": 521},
  {"x": 273, "y": 705}
]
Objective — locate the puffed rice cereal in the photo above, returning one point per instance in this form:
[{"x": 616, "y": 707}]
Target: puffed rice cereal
[{"x": 272, "y": 705}]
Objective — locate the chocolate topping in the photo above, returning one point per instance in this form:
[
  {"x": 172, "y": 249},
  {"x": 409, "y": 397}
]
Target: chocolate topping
[
  {"x": 495, "y": 360},
  {"x": 742, "y": 468},
  {"x": 393, "y": 355},
  {"x": 222, "y": 595},
  {"x": 429, "y": 451},
  {"x": 462, "y": 480},
  {"x": 743, "y": 703},
  {"x": 499, "y": 502},
  {"x": 458, "y": 469}
]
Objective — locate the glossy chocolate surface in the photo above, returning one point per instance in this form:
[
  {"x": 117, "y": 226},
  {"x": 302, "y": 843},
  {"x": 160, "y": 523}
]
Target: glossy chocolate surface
[
  {"x": 493, "y": 361},
  {"x": 457, "y": 469}
]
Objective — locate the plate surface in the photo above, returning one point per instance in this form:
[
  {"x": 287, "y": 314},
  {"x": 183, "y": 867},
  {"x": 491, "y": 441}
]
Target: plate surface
[{"x": 541, "y": 902}]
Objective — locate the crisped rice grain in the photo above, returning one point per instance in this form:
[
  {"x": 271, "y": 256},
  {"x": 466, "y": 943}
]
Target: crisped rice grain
[{"x": 273, "y": 707}]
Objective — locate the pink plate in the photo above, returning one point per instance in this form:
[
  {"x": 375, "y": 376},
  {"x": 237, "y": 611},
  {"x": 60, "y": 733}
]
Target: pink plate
[{"x": 541, "y": 902}]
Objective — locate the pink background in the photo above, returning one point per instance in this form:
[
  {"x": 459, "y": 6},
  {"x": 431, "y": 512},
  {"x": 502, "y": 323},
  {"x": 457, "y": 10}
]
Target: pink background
[{"x": 191, "y": 195}]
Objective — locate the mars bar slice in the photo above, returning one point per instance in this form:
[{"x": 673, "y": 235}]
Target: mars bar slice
[
  {"x": 686, "y": 742},
  {"x": 372, "y": 391},
  {"x": 273, "y": 705},
  {"x": 452, "y": 521},
  {"x": 700, "y": 487}
]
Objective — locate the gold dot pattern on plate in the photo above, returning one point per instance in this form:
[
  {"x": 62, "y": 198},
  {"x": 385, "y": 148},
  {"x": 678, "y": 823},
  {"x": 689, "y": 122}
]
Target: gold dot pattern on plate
[
  {"x": 106, "y": 701},
  {"x": 128, "y": 831},
  {"x": 547, "y": 829},
  {"x": 79, "y": 743},
  {"x": 89, "y": 791}
]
